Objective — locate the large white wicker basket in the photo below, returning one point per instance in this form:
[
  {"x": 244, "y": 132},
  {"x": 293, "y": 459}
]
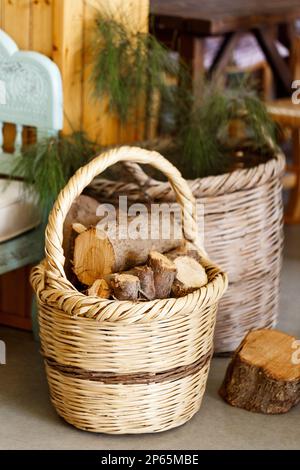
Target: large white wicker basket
[{"x": 243, "y": 234}]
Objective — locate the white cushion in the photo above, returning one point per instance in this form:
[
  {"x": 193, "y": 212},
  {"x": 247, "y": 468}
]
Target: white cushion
[{"x": 18, "y": 209}]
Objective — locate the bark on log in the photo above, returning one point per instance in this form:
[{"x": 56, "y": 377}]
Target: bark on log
[
  {"x": 183, "y": 251},
  {"x": 164, "y": 271},
  {"x": 146, "y": 277},
  {"x": 97, "y": 253},
  {"x": 125, "y": 286},
  {"x": 264, "y": 374}
]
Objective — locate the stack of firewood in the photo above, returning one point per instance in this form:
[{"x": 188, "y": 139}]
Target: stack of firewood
[{"x": 138, "y": 268}]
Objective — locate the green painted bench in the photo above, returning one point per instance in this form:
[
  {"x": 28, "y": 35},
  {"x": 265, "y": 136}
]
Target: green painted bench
[{"x": 30, "y": 95}]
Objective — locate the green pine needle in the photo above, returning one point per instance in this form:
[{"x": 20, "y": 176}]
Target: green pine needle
[
  {"x": 203, "y": 137},
  {"x": 128, "y": 66},
  {"x": 49, "y": 163}
]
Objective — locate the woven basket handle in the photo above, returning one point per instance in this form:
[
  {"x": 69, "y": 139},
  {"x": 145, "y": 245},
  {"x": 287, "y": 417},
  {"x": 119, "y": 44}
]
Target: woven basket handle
[{"x": 54, "y": 232}]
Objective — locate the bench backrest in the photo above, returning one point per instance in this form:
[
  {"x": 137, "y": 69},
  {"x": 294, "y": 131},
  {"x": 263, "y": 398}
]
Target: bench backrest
[{"x": 30, "y": 94}]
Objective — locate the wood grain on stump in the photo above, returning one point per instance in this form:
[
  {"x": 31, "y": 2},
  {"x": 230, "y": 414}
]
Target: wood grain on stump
[{"x": 264, "y": 373}]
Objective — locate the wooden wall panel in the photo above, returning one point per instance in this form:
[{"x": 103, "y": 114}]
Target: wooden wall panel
[
  {"x": 137, "y": 20},
  {"x": 1, "y": 13},
  {"x": 41, "y": 26},
  {"x": 63, "y": 30},
  {"x": 15, "y": 299},
  {"x": 101, "y": 125},
  {"x": 17, "y": 20},
  {"x": 97, "y": 120},
  {"x": 68, "y": 54}
]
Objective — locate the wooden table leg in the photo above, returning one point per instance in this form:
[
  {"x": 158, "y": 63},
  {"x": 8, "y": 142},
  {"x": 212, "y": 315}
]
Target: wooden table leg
[
  {"x": 287, "y": 33},
  {"x": 292, "y": 213},
  {"x": 279, "y": 67},
  {"x": 191, "y": 50},
  {"x": 223, "y": 54}
]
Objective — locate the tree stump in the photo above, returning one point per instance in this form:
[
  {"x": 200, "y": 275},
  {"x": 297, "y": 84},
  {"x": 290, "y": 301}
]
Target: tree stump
[{"x": 264, "y": 373}]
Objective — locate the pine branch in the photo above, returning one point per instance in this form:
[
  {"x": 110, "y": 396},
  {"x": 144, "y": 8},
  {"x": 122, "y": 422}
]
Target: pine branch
[
  {"x": 128, "y": 66},
  {"x": 47, "y": 165}
]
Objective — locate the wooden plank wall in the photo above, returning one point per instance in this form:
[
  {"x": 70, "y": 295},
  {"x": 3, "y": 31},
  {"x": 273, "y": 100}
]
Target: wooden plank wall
[{"x": 63, "y": 29}]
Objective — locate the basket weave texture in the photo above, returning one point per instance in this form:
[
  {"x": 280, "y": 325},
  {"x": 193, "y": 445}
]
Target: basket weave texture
[
  {"x": 243, "y": 234},
  {"x": 120, "y": 366}
]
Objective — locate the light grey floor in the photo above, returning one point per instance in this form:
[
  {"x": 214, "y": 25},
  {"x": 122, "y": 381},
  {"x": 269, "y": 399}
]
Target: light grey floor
[{"x": 28, "y": 421}]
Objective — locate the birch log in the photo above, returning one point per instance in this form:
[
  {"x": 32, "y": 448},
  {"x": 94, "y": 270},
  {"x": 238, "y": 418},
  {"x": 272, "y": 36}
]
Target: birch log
[{"x": 98, "y": 252}]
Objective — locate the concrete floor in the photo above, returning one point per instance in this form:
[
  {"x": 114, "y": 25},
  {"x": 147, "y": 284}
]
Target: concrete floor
[{"x": 28, "y": 421}]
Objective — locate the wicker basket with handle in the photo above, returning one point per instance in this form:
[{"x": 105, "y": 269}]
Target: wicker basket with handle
[
  {"x": 243, "y": 234},
  {"x": 121, "y": 366}
]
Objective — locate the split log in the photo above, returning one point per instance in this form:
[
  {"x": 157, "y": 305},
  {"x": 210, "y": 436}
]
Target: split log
[
  {"x": 184, "y": 251},
  {"x": 146, "y": 277},
  {"x": 100, "y": 288},
  {"x": 190, "y": 276},
  {"x": 264, "y": 374},
  {"x": 98, "y": 252},
  {"x": 164, "y": 271},
  {"x": 125, "y": 286}
]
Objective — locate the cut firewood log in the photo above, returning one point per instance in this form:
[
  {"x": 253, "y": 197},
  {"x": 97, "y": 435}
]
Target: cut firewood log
[
  {"x": 264, "y": 374},
  {"x": 190, "y": 276},
  {"x": 184, "y": 251},
  {"x": 100, "y": 288},
  {"x": 125, "y": 286},
  {"x": 83, "y": 211},
  {"x": 98, "y": 252},
  {"x": 164, "y": 271},
  {"x": 146, "y": 277}
]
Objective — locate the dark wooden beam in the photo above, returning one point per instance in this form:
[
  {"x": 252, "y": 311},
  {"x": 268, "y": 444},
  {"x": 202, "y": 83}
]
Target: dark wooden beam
[
  {"x": 279, "y": 67},
  {"x": 223, "y": 54}
]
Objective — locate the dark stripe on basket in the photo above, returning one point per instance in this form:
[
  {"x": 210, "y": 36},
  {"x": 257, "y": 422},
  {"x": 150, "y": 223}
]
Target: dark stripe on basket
[{"x": 139, "y": 378}]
